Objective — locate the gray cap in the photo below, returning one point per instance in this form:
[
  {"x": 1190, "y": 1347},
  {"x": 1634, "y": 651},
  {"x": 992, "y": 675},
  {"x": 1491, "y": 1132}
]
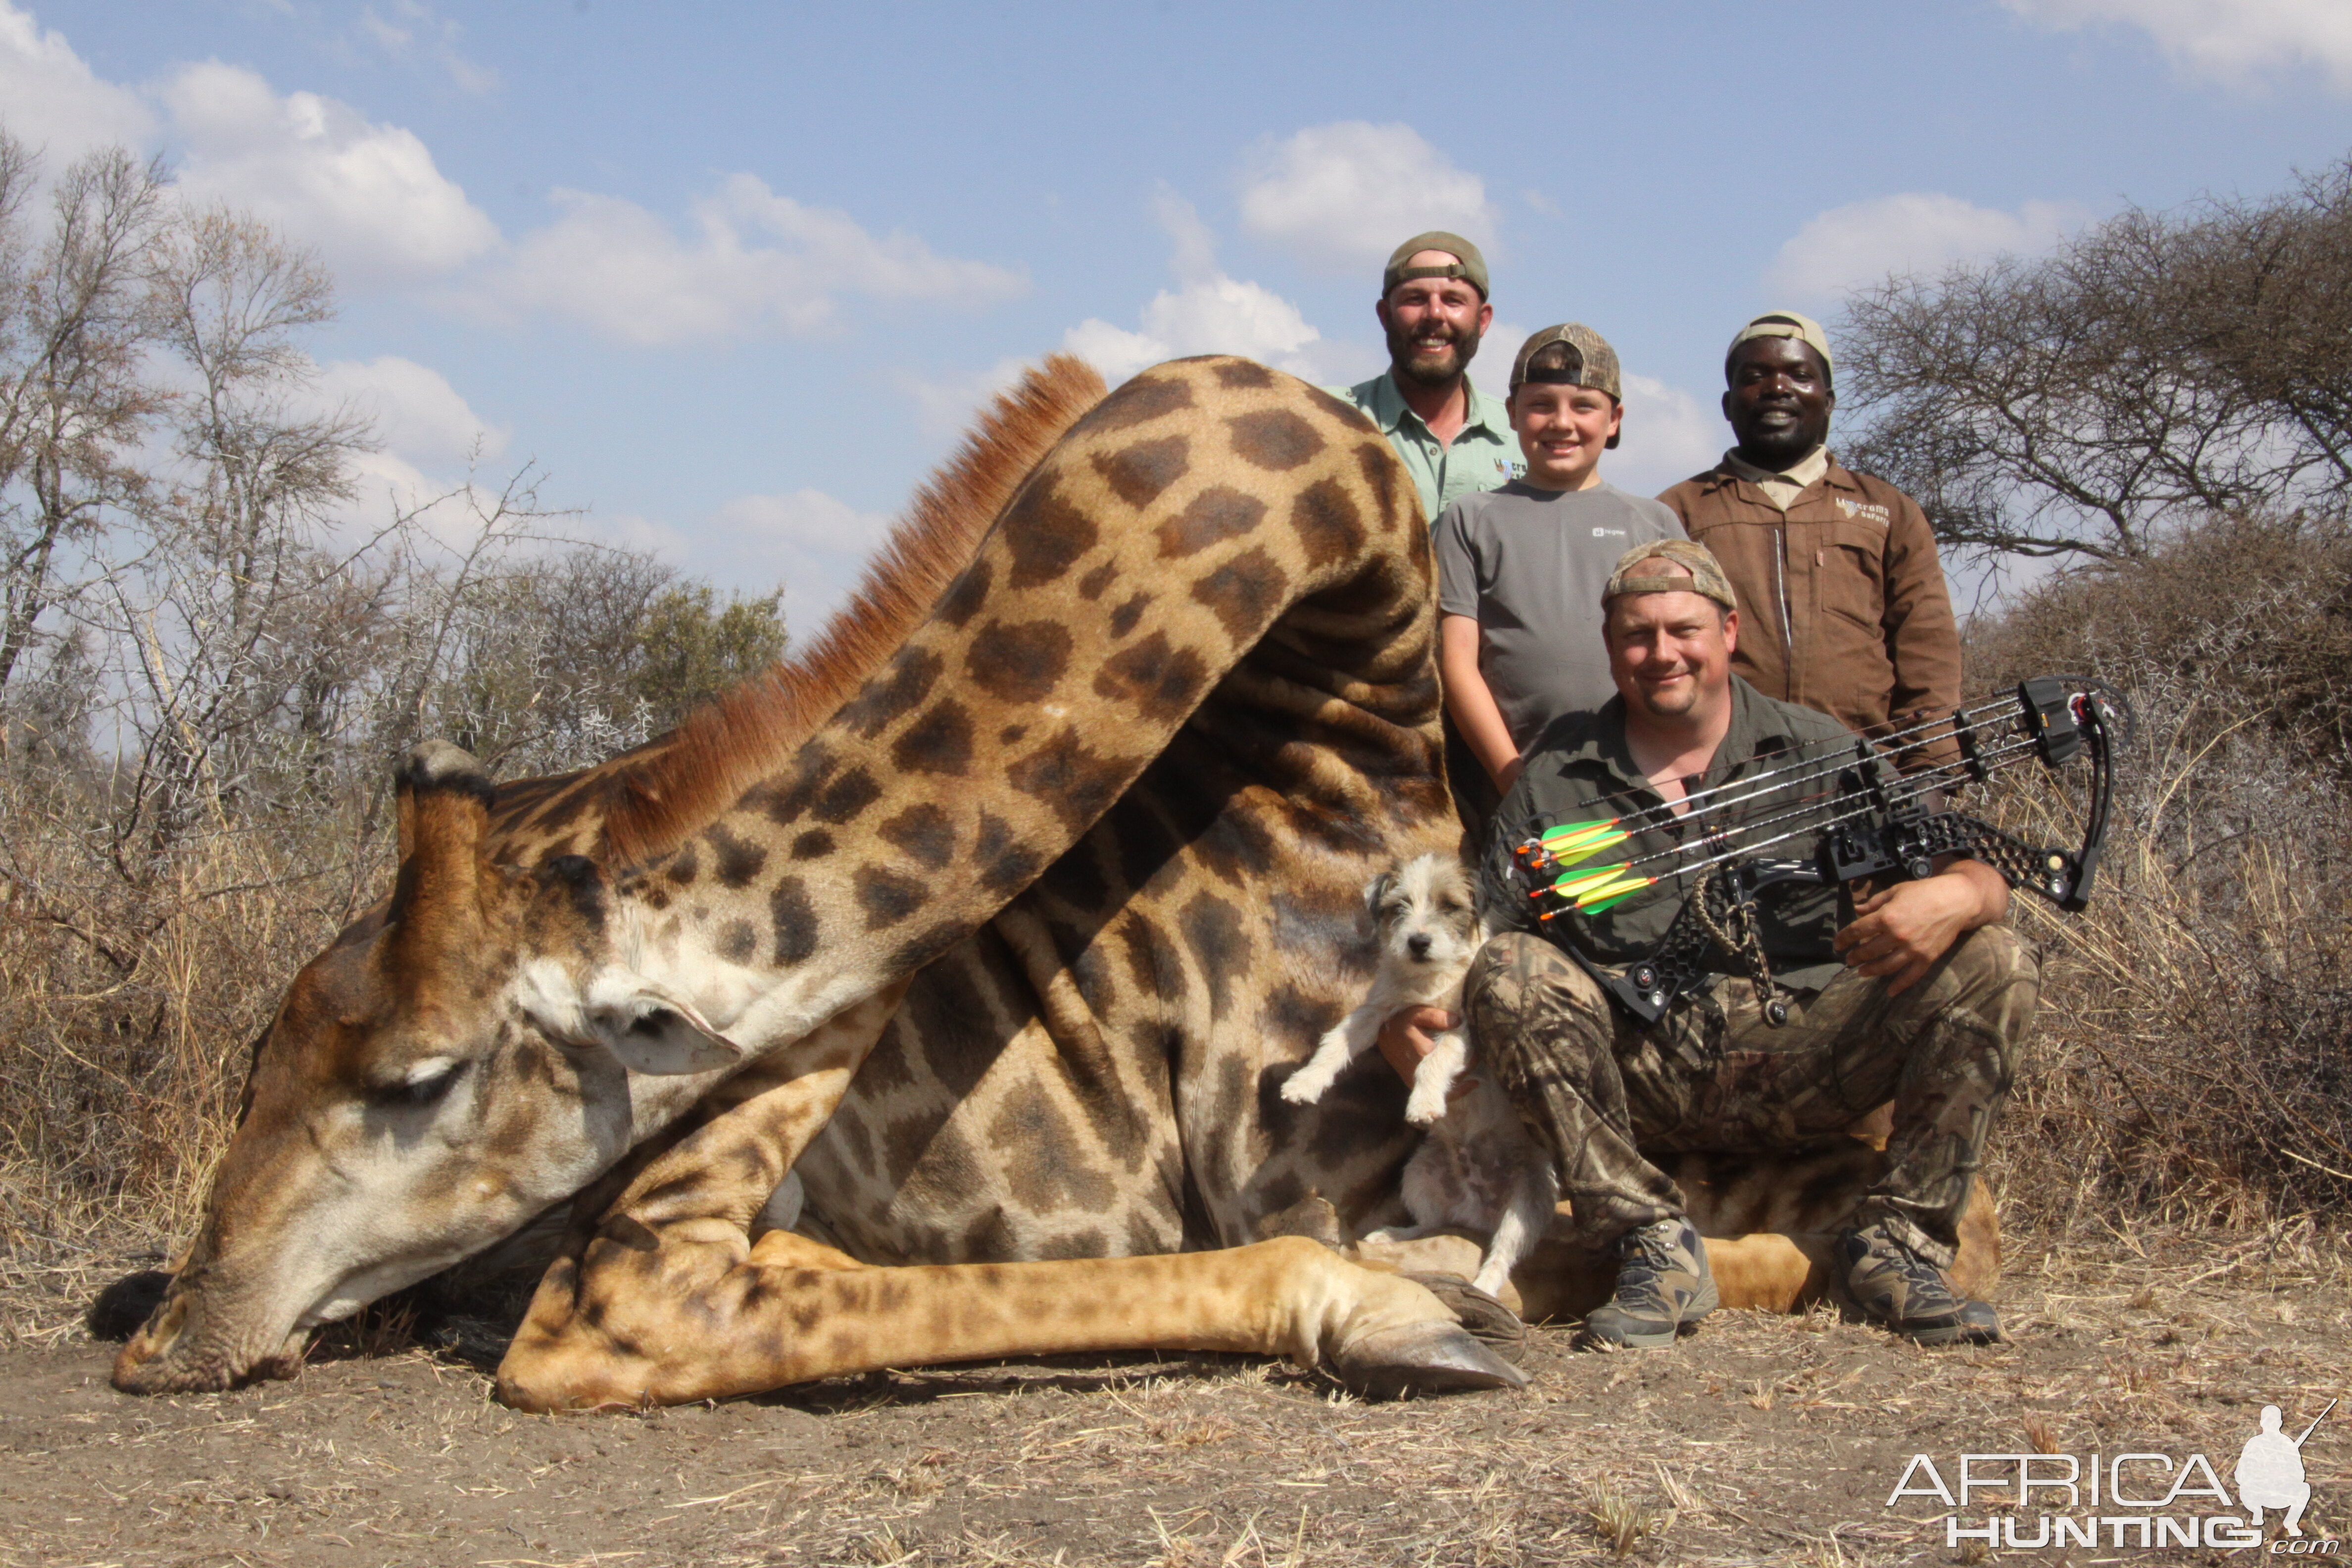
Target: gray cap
[
  {"x": 1783, "y": 325},
  {"x": 1468, "y": 264}
]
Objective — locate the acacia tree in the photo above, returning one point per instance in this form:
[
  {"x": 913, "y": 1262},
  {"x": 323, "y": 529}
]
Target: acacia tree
[
  {"x": 2156, "y": 365},
  {"x": 74, "y": 401}
]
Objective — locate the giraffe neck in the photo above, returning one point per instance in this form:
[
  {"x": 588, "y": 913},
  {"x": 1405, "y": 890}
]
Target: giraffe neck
[{"x": 1136, "y": 576}]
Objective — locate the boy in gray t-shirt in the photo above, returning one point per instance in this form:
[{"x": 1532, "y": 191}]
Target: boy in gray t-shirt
[{"x": 1520, "y": 569}]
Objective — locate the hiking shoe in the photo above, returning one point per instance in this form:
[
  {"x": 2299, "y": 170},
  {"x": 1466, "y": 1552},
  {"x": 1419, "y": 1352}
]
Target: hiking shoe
[
  {"x": 1901, "y": 1291},
  {"x": 1663, "y": 1288}
]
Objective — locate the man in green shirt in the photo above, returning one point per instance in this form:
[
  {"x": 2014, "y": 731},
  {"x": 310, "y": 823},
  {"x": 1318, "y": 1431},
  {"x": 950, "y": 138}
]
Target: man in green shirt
[
  {"x": 1454, "y": 439},
  {"x": 1922, "y": 998}
]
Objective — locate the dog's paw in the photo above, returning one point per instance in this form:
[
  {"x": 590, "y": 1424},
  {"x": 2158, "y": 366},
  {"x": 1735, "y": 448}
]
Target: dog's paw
[
  {"x": 1307, "y": 1086},
  {"x": 1426, "y": 1107}
]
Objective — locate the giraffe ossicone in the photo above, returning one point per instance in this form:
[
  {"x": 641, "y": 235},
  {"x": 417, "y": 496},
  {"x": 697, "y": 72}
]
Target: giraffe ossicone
[{"x": 997, "y": 920}]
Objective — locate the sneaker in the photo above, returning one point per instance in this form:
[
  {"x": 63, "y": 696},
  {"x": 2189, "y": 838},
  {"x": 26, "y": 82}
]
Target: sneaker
[
  {"x": 1902, "y": 1291},
  {"x": 1663, "y": 1288}
]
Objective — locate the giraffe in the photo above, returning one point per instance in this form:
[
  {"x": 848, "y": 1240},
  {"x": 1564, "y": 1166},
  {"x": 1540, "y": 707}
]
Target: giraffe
[{"x": 997, "y": 924}]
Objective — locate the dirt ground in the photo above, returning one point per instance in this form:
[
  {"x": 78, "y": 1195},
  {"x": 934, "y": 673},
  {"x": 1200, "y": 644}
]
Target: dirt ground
[{"x": 1762, "y": 1440}]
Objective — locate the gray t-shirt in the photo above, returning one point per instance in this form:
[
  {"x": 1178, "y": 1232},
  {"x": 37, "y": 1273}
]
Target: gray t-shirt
[{"x": 1529, "y": 564}]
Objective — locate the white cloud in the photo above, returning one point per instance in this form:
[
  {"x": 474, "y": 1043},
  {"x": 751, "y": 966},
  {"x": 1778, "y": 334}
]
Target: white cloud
[
  {"x": 414, "y": 410},
  {"x": 757, "y": 261},
  {"x": 2235, "y": 42},
  {"x": 367, "y": 197},
  {"x": 414, "y": 28},
  {"x": 1669, "y": 436},
  {"x": 1341, "y": 197},
  {"x": 1916, "y": 232},
  {"x": 944, "y": 407},
  {"x": 50, "y": 99},
  {"x": 1208, "y": 312},
  {"x": 813, "y": 543}
]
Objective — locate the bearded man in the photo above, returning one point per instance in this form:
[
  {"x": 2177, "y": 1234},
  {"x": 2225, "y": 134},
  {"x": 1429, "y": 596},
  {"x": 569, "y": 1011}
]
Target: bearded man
[{"x": 1454, "y": 439}]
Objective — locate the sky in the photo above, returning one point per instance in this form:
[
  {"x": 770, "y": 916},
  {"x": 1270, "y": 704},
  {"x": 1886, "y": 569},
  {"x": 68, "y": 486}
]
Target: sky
[{"x": 730, "y": 279}]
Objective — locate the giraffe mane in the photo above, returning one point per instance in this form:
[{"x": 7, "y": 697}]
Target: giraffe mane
[{"x": 725, "y": 747}]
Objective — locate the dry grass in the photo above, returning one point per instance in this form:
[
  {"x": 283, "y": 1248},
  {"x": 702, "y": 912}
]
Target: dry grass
[{"x": 130, "y": 995}]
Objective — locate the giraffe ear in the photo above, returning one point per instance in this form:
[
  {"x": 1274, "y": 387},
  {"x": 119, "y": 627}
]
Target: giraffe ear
[{"x": 650, "y": 1030}]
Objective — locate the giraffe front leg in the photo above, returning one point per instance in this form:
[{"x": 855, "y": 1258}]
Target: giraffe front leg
[{"x": 748, "y": 1328}]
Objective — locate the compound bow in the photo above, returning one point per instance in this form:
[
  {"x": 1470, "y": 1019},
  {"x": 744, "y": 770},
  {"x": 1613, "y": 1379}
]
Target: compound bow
[{"x": 1870, "y": 819}]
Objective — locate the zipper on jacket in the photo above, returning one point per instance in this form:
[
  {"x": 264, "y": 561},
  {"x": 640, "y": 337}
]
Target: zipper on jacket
[{"x": 1788, "y": 636}]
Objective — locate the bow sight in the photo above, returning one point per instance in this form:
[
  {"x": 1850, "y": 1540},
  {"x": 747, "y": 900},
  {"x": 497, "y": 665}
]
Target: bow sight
[{"x": 1865, "y": 814}]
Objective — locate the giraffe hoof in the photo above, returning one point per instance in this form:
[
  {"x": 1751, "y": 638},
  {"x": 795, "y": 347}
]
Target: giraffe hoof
[
  {"x": 1487, "y": 1321},
  {"x": 1422, "y": 1358}
]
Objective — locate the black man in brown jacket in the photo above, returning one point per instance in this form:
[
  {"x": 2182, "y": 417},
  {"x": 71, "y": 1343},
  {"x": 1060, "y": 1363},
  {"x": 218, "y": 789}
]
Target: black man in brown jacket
[{"x": 1846, "y": 608}]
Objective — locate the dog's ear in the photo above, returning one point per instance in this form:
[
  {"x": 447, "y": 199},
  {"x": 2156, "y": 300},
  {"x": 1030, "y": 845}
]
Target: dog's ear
[{"x": 1378, "y": 889}]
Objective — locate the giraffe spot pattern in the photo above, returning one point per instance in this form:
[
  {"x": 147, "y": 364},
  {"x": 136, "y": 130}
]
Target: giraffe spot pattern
[
  {"x": 1163, "y": 682},
  {"x": 734, "y": 861},
  {"x": 1327, "y": 524},
  {"x": 1379, "y": 467},
  {"x": 1243, "y": 375},
  {"x": 808, "y": 846},
  {"x": 1211, "y": 928},
  {"x": 1275, "y": 439},
  {"x": 683, "y": 867},
  {"x": 794, "y": 916},
  {"x": 919, "y": 952},
  {"x": 966, "y": 595},
  {"x": 1002, "y": 861},
  {"x": 1091, "y": 586},
  {"x": 1213, "y": 517},
  {"x": 848, "y": 796},
  {"x": 1075, "y": 782},
  {"x": 1044, "y": 535},
  {"x": 1011, "y": 733},
  {"x": 1028, "y": 1118},
  {"x": 886, "y": 896},
  {"x": 938, "y": 742},
  {"x": 1137, "y": 474},
  {"x": 1346, "y": 413},
  {"x": 1123, "y": 619},
  {"x": 1019, "y": 663},
  {"x": 904, "y": 683},
  {"x": 811, "y": 768},
  {"x": 1245, "y": 594},
  {"x": 1140, "y": 401},
  {"x": 924, "y": 834}
]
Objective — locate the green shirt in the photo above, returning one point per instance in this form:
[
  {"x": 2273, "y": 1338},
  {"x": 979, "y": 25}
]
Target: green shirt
[
  {"x": 1483, "y": 454},
  {"x": 1580, "y": 770}
]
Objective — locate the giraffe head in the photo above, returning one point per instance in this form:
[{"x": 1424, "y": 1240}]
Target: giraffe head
[{"x": 469, "y": 1052}]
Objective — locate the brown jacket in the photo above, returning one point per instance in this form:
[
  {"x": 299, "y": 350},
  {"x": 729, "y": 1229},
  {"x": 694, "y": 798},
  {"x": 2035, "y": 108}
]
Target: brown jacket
[{"x": 1848, "y": 579}]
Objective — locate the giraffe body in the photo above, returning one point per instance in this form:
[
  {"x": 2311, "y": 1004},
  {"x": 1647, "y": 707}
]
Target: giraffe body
[{"x": 999, "y": 923}]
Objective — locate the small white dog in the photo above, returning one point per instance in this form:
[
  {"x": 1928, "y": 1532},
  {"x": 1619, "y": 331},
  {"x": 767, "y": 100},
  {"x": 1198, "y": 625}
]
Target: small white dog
[{"x": 1477, "y": 1168}]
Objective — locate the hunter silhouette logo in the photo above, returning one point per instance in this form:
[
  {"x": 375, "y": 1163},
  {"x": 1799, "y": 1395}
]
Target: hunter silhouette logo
[
  {"x": 2270, "y": 1470},
  {"x": 2128, "y": 1500}
]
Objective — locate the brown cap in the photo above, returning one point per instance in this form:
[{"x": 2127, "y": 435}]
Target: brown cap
[
  {"x": 1468, "y": 264},
  {"x": 1590, "y": 361},
  {"x": 1783, "y": 325},
  {"x": 1705, "y": 577}
]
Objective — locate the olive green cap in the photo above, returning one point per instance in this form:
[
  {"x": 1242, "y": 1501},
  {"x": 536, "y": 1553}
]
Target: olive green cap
[
  {"x": 1783, "y": 325},
  {"x": 1468, "y": 264},
  {"x": 1706, "y": 579}
]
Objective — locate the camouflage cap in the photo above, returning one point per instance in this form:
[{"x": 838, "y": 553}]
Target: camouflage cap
[
  {"x": 1781, "y": 324},
  {"x": 1705, "y": 577},
  {"x": 1590, "y": 361},
  {"x": 1468, "y": 264}
]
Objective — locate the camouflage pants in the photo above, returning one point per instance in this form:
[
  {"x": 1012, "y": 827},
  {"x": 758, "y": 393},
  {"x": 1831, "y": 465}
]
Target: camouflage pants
[{"x": 1596, "y": 1088}]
